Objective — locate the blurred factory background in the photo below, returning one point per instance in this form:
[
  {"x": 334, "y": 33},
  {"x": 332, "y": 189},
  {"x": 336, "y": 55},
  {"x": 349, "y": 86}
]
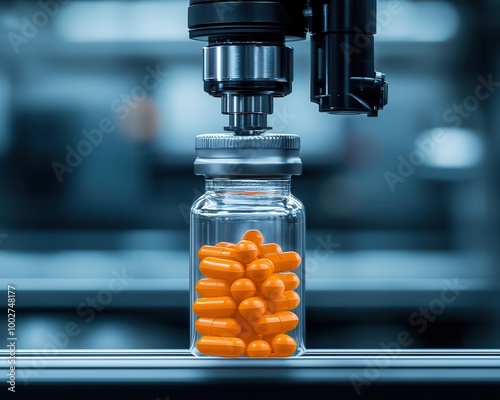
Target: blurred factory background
[{"x": 100, "y": 102}]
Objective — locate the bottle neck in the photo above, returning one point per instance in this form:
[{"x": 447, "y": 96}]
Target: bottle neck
[{"x": 267, "y": 187}]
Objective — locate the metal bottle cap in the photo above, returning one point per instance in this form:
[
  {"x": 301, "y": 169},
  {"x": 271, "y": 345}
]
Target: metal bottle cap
[{"x": 228, "y": 155}]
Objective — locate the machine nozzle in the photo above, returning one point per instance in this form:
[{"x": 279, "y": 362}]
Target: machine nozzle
[
  {"x": 247, "y": 76},
  {"x": 247, "y": 64},
  {"x": 247, "y": 112}
]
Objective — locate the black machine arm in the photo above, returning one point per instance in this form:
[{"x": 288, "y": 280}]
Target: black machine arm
[{"x": 247, "y": 64}]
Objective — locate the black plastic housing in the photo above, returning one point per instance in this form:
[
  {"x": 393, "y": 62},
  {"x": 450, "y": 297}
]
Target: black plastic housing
[
  {"x": 209, "y": 19},
  {"x": 343, "y": 79}
]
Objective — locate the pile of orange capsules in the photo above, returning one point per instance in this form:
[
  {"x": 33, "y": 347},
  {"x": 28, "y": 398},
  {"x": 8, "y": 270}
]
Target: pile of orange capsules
[{"x": 246, "y": 298}]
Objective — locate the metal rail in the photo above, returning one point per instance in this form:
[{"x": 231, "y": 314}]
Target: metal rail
[{"x": 316, "y": 366}]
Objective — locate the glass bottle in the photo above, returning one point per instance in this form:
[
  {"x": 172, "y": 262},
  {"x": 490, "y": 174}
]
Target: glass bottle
[{"x": 247, "y": 248}]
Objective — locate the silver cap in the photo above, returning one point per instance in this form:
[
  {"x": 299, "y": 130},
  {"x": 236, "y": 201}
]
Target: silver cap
[{"x": 228, "y": 155}]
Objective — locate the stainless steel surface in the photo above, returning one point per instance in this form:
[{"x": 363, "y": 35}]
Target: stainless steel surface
[
  {"x": 247, "y": 62},
  {"x": 247, "y": 113},
  {"x": 269, "y": 155},
  {"x": 248, "y": 123},
  {"x": 316, "y": 366},
  {"x": 247, "y": 76},
  {"x": 237, "y": 103}
]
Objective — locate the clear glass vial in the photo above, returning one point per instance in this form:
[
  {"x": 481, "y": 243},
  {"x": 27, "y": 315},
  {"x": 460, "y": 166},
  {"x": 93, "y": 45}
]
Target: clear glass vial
[{"x": 247, "y": 248}]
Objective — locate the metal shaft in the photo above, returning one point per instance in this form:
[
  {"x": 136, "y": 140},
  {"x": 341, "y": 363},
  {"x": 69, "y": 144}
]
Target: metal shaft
[{"x": 247, "y": 76}]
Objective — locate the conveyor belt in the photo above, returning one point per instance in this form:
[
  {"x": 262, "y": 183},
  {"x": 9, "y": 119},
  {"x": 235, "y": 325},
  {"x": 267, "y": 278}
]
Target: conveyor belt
[
  {"x": 319, "y": 375},
  {"x": 316, "y": 366}
]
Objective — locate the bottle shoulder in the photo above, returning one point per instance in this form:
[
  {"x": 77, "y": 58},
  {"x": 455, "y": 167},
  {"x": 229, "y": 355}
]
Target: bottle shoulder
[
  {"x": 295, "y": 202},
  {"x": 210, "y": 203}
]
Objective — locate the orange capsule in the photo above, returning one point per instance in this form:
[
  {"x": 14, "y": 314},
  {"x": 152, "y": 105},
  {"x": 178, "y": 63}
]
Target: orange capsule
[
  {"x": 252, "y": 308},
  {"x": 254, "y": 236},
  {"x": 216, "y": 251},
  {"x": 219, "y": 268},
  {"x": 216, "y": 307},
  {"x": 269, "y": 248},
  {"x": 245, "y": 251},
  {"x": 270, "y": 307},
  {"x": 249, "y": 336},
  {"x": 243, "y": 289},
  {"x": 210, "y": 287},
  {"x": 258, "y": 293},
  {"x": 273, "y": 287},
  {"x": 246, "y": 328},
  {"x": 286, "y": 261},
  {"x": 226, "y": 244},
  {"x": 283, "y": 345},
  {"x": 290, "y": 280},
  {"x": 268, "y": 338},
  {"x": 221, "y": 346},
  {"x": 259, "y": 270},
  {"x": 218, "y": 326},
  {"x": 259, "y": 348},
  {"x": 287, "y": 301},
  {"x": 281, "y": 322}
]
